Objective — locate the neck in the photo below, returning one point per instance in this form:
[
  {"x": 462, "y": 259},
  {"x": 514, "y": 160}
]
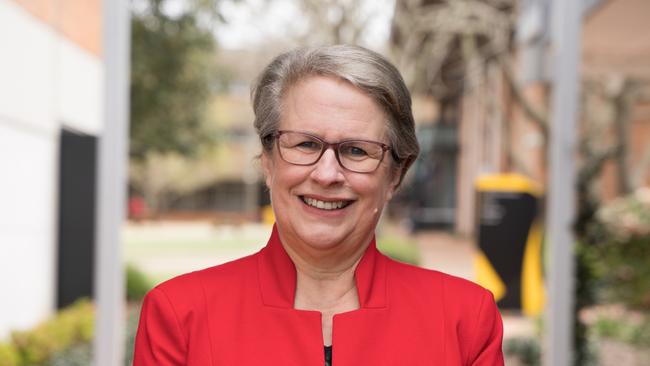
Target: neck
[
  {"x": 324, "y": 290},
  {"x": 329, "y": 291},
  {"x": 325, "y": 281}
]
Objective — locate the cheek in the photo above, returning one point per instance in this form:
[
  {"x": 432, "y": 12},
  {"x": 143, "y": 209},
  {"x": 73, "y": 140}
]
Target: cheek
[
  {"x": 284, "y": 177},
  {"x": 377, "y": 191}
]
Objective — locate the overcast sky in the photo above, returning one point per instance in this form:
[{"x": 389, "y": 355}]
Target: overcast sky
[{"x": 252, "y": 22}]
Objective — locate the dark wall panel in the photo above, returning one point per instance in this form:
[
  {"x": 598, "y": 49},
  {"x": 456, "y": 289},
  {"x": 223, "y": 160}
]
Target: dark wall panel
[{"x": 76, "y": 216}]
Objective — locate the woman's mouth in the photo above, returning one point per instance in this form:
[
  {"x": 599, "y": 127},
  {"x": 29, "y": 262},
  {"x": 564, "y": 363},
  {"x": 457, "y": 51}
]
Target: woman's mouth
[{"x": 325, "y": 205}]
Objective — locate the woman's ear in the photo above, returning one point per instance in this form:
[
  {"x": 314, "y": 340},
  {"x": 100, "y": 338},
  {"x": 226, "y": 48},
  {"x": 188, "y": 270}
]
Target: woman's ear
[
  {"x": 267, "y": 168},
  {"x": 406, "y": 165},
  {"x": 398, "y": 174},
  {"x": 395, "y": 179}
]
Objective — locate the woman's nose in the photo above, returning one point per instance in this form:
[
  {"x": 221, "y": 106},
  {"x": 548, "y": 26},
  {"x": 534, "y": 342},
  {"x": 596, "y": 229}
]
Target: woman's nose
[{"x": 327, "y": 170}]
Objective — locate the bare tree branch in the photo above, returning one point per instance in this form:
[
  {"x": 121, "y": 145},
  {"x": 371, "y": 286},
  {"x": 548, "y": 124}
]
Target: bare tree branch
[
  {"x": 334, "y": 21},
  {"x": 593, "y": 166},
  {"x": 642, "y": 169},
  {"x": 427, "y": 35},
  {"x": 623, "y": 103},
  {"x": 538, "y": 117}
]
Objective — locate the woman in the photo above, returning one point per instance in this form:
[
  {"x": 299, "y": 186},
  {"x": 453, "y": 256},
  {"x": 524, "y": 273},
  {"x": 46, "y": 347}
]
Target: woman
[{"x": 338, "y": 136}]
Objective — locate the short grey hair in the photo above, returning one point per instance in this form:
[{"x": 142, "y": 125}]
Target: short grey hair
[{"x": 364, "y": 69}]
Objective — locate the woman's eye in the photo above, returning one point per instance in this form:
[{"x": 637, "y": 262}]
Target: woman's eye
[
  {"x": 354, "y": 151},
  {"x": 308, "y": 145},
  {"x": 358, "y": 151}
]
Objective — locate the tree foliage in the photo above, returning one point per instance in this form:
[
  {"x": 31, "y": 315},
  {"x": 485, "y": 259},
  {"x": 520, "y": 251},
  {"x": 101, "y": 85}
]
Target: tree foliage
[
  {"x": 172, "y": 76},
  {"x": 333, "y": 21}
]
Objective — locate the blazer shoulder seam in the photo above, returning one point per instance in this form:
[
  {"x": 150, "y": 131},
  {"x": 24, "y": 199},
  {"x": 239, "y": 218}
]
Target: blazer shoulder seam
[
  {"x": 178, "y": 323},
  {"x": 476, "y": 329},
  {"x": 207, "y": 315}
]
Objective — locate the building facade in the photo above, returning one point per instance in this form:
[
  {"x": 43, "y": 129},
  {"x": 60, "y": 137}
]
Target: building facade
[
  {"x": 485, "y": 75},
  {"x": 51, "y": 83}
]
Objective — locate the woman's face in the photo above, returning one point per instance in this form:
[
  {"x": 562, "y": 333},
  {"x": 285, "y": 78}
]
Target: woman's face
[{"x": 332, "y": 110}]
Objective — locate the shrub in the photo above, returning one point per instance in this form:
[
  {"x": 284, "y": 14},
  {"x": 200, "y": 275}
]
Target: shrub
[
  {"x": 621, "y": 256},
  {"x": 627, "y": 217},
  {"x": 65, "y": 339},
  {"x": 399, "y": 249},
  {"x": 70, "y": 326},
  {"x": 627, "y": 329},
  {"x": 133, "y": 317},
  {"x": 78, "y": 355},
  {"x": 137, "y": 283},
  {"x": 9, "y": 355},
  {"x": 526, "y": 350}
]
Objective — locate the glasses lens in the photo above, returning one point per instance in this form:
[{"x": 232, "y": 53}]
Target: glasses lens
[
  {"x": 360, "y": 156},
  {"x": 298, "y": 148}
]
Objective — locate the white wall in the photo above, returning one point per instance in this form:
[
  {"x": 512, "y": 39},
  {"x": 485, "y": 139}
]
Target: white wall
[
  {"x": 45, "y": 81},
  {"x": 79, "y": 89},
  {"x": 27, "y": 227}
]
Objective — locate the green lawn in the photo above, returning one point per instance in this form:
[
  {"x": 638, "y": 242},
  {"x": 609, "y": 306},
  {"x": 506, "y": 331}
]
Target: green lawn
[{"x": 163, "y": 251}]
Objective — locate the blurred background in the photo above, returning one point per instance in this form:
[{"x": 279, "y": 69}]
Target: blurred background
[{"x": 472, "y": 205}]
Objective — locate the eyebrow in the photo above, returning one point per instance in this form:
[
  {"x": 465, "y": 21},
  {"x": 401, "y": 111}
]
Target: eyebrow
[{"x": 339, "y": 140}]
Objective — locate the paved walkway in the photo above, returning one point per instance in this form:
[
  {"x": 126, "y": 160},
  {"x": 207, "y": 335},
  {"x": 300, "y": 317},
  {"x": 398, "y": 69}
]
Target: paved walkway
[
  {"x": 447, "y": 253},
  {"x": 454, "y": 255}
]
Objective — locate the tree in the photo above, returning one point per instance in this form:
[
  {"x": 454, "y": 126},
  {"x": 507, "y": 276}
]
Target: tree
[
  {"x": 172, "y": 73},
  {"x": 323, "y": 22},
  {"x": 173, "y": 76},
  {"x": 333, "y": 21}
]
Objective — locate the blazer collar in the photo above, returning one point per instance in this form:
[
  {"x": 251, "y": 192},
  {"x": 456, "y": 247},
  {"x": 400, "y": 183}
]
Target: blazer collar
[{"x": 277, "y": 275}]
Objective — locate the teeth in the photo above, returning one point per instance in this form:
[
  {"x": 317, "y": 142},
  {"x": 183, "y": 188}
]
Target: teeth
[{"x": 323, "y": 205}]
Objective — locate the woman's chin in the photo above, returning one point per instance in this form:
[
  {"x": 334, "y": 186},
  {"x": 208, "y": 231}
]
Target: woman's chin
[{"x": 324, "y": 236}]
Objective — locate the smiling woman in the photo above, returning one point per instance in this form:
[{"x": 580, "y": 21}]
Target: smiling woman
[{"x": 338, "y": 136}]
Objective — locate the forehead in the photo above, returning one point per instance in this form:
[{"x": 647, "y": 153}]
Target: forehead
[{"x": 331, "y": 108}]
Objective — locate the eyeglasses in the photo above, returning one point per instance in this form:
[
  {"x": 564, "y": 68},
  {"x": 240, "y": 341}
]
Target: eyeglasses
[{"x": 360, "y": 156}]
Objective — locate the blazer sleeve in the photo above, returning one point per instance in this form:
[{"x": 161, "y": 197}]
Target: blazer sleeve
[
  {"x": 486, "y": 349},
  {"x": 159, "y": 340}
]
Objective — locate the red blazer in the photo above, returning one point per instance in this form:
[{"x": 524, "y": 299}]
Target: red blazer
[{"x": 241, "y": 313}]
